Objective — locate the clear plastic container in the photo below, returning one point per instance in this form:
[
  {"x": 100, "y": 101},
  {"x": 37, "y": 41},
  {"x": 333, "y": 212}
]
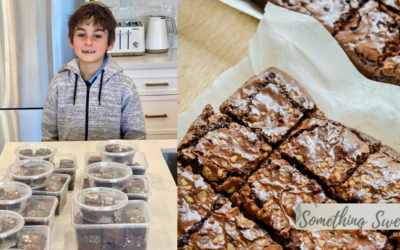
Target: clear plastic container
[
  {"x": 34, "y": 237},
  {"x": 92, "y": 157},
  {"x": 40, "y": 210},
  {"x": 137, "y": 188},
  {"x": 35, "y": 151},
  {"x": 100, "y": 204},
  {"x": 66, "y": 164},
  {"x": 14, "y": 195},
  {"x": 117, "y": 151},
  {"x": 10, "y": 224},
  {"x": 132, "y": 193},
  {"x": 108, "y": 174},
  {"x": 57, "y": 187},
  {"x": 34, "y": 173},
  {"x": 130, "y": 232},
  {"x": 139, "y": 164}
]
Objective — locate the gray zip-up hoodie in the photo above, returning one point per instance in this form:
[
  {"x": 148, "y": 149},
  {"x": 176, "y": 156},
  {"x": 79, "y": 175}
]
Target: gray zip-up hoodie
[{"x": 109, "y": 108}]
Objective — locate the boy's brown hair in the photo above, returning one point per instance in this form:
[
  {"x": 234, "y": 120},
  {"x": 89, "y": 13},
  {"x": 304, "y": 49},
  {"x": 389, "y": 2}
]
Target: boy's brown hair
[{"x": 101, "y": 14}]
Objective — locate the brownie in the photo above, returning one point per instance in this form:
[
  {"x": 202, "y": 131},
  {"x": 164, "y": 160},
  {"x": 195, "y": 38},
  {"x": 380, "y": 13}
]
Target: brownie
[
  {"x": 66, "y": 163},
  {"x": 327, "y": 12},
  {"x": 31, "y": 240},
  {"x": 271, "y": 103},
  {"x": 328, "y": 150},
  {"x": 395, "y": 239},
  {"x": 94, "y": 159},
  {"x": 204, "y": 123},
  {"x": 224, "y": 152},
  {"x": 368, "y": 31},
  {"x": 376, "y": 181},
  {"x": 227, "y": 228},
  {"x": 274, "y": 189},
  {"x": 112, "y": 148},
  {"x": 195, "y": 201},
  {"x": 135, "y": 185},
  {"x": 365, "y": 38},
  {"x": 37, "y": 208},
  {"x": 9, "y": 195},
  {"x": 26, "y": 152}
]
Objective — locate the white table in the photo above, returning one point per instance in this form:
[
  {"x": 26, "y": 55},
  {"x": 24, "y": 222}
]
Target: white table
[{"x": 162, "y": 199}]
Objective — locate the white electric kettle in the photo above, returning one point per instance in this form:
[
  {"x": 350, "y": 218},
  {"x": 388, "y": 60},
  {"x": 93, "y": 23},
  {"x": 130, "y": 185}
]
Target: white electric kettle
[{"x": 157, "y": 35}]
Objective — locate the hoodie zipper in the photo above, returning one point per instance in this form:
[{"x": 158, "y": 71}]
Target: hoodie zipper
[{"x": 88, "y": 85}]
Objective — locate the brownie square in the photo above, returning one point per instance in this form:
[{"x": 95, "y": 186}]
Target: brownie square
[
  {"x": 274, "y": 190},
  {"x": 225, "y": 152},
  {"x": 271, "y": 103},
  {"x": 204, "y": 123},
  {"x": 227, "y": 228},
  {"x": 31, "y": 240},
  {"x": 195, "y": 200},
  {"x": 389, "y": 70},
  {"x": 328, "y": 150},
  {"x": 376, "y": 181},
  {"x": 327, "y": 12},
  {"x": 366, "y": 35}
]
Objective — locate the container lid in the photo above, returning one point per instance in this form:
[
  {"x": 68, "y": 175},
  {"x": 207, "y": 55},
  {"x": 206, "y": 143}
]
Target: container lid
[
  {"x": 119, "y": 198},
  {"x": 108, "y": 172},
  {"x": 125, "y": 147},
  {"x": 6, "y": 217},
  {"x": 26, "y": 169},
  {"x": 35, "y": 147},
  {"x": 25, "y": 192}
]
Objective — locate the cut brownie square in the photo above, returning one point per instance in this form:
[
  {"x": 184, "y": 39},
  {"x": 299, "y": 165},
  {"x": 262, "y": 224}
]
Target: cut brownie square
[
  {"x": 327, "y": 12},
  {"x": 226, "y": 152},
  {"x": 366, "y": 35},
  {"x": 205, "y": 122},
  {"x": 328, "y": 150},
  {"x": 227, "y": 228},
  {"x": 274, "y": 190},
  {"x": 271, "y": 103},
  {"x": 195, "y": 201},
  {"x": 376, "y": 181}
]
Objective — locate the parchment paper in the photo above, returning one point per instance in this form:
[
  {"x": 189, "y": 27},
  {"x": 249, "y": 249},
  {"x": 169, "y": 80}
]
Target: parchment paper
[{"x": 302, "y": 47}]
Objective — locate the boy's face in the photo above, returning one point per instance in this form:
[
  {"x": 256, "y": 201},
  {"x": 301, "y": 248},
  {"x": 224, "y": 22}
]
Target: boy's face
[{"x": 89, "y": 43}]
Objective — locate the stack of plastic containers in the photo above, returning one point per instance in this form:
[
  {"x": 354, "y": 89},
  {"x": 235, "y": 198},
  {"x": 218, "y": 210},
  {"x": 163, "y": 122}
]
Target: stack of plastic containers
[{"x": 110, "y": 211}]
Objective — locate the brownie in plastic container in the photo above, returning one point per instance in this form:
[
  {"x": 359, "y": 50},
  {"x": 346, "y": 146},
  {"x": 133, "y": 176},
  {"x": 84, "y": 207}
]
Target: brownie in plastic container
[
  {"x": 66, "y": 164},
  {"x": 139, "y": 164},
  {"x": 10, "y": 224},
  {"x": 100, "y": 204},
  {"x": 57, "y": 187},
  {"x": 130, "y": 231},
  {"x": 92, "y": 157},
  {"x": 40, "y": 210},
  {"x": 117, "y": 151},
  {"x": 34, "y": 237},
  {"x": 34, "y": 173},
  {"x": 108, "y": 174},
  {"x": 14, "y": 195},
  {"x": 35, "y": 151}
]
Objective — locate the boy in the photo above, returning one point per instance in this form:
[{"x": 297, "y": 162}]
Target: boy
[{"x": 91, "y": 99}]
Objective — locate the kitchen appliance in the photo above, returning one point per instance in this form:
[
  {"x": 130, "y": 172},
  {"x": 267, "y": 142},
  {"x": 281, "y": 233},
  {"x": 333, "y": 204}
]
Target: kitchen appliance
[
  {"x": 129, "y": 39},
  {"x": 157, "y": 35},
  {"x": 33, "y": 46}
]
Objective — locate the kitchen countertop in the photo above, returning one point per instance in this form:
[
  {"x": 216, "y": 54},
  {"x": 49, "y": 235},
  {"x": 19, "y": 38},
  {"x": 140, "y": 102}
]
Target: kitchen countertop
[
  {"x": 146, "y": 61},
  {"x": 162, "y": 199},
  {"x": 212, "y": 38}
]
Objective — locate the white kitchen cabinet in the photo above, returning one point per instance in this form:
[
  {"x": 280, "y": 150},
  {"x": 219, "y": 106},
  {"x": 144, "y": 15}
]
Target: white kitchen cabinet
[{"x": 156, "y": 79}]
